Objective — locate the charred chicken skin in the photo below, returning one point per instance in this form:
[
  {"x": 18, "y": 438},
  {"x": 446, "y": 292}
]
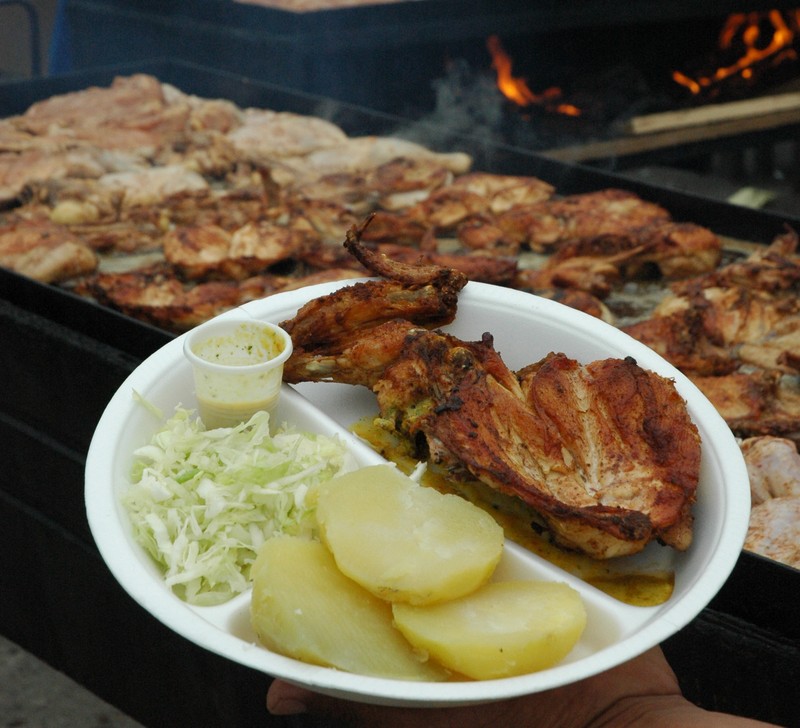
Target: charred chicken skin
[{"x": 605, "y": 455}]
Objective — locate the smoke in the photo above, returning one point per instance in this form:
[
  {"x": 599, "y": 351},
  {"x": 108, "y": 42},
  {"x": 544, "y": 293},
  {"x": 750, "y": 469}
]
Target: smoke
[{"x": 468, "y": 108}]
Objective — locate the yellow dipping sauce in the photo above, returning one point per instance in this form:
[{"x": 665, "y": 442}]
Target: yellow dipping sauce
[{"x": 238, "y": 369}]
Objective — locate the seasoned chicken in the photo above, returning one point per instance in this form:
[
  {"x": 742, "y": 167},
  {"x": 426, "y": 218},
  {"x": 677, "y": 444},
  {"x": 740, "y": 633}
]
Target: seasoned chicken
[
  {"x": 267, "y": 135},
  {"x": 151, "y": 186},
  {"x": 19, "y": 170},
  {"x": 714, "y": 330},
  {"x": 325, "y": 220},
  {"x": 613, "y": 470},
  {"x": 413, "y": 295},
  {"x": 605, "y": 455},
  {"x": 210, "y": 251},
  {"x": 576, "y": 217},
  {"x": 503, "y": 191},
  {"x": 774, "y": 530},
  {"x": 773, "y": 268},
  {"x": 479, "y": 232},
  {"x": 736, "y": 332},
  {"x": 443, "y": 210},
  {"x": 773, "y": 465},
  {"x": 155, "y": 295},
  {"x": 674, "y": 250},
  {"x": 405, "y": 181},
  {"x": 132, "y": 114},
  {"x": 40, "y": 250},
  {"x": 755, "y": 403},
  {"x": 397, "y": 228},
  {"x": 500, "y": 271}
]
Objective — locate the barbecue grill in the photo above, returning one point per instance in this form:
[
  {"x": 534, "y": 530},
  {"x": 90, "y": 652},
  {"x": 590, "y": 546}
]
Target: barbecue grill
[{"x": 66, "y": 356}]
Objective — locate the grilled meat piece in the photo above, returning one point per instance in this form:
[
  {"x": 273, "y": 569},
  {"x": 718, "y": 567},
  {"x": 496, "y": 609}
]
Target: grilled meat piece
[
  {"x": 210, "y": 251},
  {"x": 773, "y": 467},
  {"x": 42, "y": 165},
  {"x": 716, "y": 330},
  {"x": 501, "y": 271},
  {"x": 404, "y": 181},
  {"x": 303, "y": 149},
  {"x": 606, "y": 475},
  {"x": 479, "y": 232},
  {"x": 443, "y": 208},
  {"x": 627, "y": 436},
  {"x": 324, "y": 328},
  {"x": 132, "y": 114},
  {"x": 397, "y": 228},
  {"x": 595, "y": 264},
  {"x": 773, "y": 268},
  {"x": 156, "y": 295},
  {"x": 755, "y": 403},
  {"x": 736, "y": 333},
  {"x": 605, "y": 455},
  {"x": 504, "y": 192},
  {"x": 44, "y": 251},
  {"x": 774, "y": 530},
  {"x": 553, "y": 222}
]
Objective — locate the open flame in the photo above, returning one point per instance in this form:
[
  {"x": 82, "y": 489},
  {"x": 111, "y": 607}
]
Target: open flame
[
  {"x": 516, "y": 89},
  {"x": 764, "y": 37}
]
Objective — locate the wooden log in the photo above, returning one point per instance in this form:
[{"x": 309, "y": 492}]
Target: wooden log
[
  {"x": 713, "y": 113},
  {"x": 644, "y": 143}
]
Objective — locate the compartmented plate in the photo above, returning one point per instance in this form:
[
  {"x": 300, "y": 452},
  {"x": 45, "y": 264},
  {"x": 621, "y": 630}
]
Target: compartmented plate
[{"x": 525, "y": 328}]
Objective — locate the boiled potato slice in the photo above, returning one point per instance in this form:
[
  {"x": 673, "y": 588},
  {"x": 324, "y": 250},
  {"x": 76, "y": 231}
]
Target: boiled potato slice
[
  {"x": 501, "y": 630},
  {"x": 303, "y": 607},
  {"x": 405, "y": 542}
]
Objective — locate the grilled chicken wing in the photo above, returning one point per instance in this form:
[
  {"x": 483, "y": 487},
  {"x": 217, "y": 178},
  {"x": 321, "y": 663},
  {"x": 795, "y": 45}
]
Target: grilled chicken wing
[{"x": 325, "y": 329}]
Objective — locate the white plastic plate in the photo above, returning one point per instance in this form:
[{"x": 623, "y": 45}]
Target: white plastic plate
[{"x": 525, "y": 328}]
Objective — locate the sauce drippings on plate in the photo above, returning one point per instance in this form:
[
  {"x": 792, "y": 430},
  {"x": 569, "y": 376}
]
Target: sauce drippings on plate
[{"x": 637, "y": 588}]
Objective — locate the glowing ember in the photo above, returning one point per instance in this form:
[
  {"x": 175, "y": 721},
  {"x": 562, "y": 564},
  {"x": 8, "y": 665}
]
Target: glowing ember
[
  {"x": 517, "y": 90},
  {"x": 772, "y": 47}
]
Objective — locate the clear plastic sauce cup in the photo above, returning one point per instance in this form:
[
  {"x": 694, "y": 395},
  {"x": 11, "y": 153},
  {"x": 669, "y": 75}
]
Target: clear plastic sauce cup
[{"x": 238, "y": 368}]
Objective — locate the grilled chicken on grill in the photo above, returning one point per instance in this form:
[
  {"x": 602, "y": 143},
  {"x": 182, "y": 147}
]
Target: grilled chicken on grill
[
  {"x": 604, "y": 454},
  {"x": 153, "y": 294},
  {"x": 40, "y": 250},
  {"x": 555, "y": 221},
  {"x": 773, "y": 465},
  {"x": 736, "y": 333}
]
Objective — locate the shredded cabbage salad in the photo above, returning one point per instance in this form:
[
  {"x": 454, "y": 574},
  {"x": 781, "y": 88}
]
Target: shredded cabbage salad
[{"x": 202, "y": 502}]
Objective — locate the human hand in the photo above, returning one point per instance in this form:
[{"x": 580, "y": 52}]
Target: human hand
[{"x": 642, "y": 691}]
